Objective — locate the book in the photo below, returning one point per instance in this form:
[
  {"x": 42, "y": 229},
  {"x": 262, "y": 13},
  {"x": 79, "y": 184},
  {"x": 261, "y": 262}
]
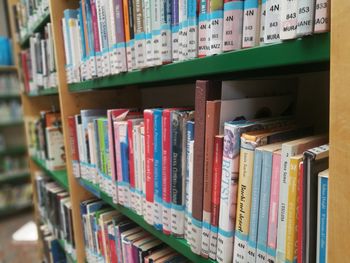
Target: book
[
  {"x": 290, "y": 149},
  {"x": 156, "y": 31},
  {"x": 300, "y": 224},
  {"x": 289, "y": 19},
  {"x": 233, "y": 25},
  {"x": 216, "y": 22},
  {"x": 175, "y": 29},
  {"x": 251, "y": 23},
  {"x": 322, "y": 10},
  {"x": 272, "y": 21},
  {"x": 166, "y": 34},
  {"x": 305, "y": 17},
  {"x": 315, "y": 161},
  {"x": 322, "y": 217},
  {"x": 192, "y": 31}
]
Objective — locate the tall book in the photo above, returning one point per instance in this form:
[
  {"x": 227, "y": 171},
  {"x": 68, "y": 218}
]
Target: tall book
[
  {"x": 203, "y": 45},
  {"x": 148, "y": 31},
  {"x": 322, "y": 217},
  {"x": 233, "y": 25},
  {"x": 140, "y": 37},
  {"x": 216, "y": 21},
  {"x": 251, "y": 23},
  {"x": 165, "y": 18},
  {"x": 192, "y": 38},
  {"x": 290, "y": 149},
  {"x": 305, "y": 16},
  {"x": 272, "y": 21},
  {"x": 156, "y": 30},
  {"x": 120, "y": 35},
  {"x": 289, "y": 19},
  {"x": 315, "y": 161}
]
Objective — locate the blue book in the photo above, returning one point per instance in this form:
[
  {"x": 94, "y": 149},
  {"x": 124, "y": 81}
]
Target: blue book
[
  {"x": 81, "y": 27},
  {"x": 69, "y": 14},
  {"x": 157, "y": 137},
  {"x": 58, "y": 255},
  {"x": 322, "y": 217},
  {"x": 188, "y": 215}
]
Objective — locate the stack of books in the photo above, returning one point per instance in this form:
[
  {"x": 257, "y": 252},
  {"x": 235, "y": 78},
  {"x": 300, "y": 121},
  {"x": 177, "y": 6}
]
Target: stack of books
[
  {"x": 104, "y": 37},
  {"x": 231, "y": 175}
]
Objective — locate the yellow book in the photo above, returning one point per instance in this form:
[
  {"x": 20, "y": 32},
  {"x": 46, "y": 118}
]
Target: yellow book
[{"x": 291, "y": 232}]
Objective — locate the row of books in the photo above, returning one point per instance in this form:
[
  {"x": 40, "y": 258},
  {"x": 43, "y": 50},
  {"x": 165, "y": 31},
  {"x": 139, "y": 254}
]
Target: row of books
[
  {"x": 111, "y": 36},
  {"x": 52, "y": 250},
  {"x": 10, "y": 111},
  {"x": 11, "y": 165},
  {"x": 55, "y": 210},
  {"x": 45, "y": 139},
  {"x": 111, "y": 237},
  {"x": 27, "y": 14},
  {"x": 38, "y": 62},
  {"x": 15, "y": 196},
  {"x": 9, "y": 84}
]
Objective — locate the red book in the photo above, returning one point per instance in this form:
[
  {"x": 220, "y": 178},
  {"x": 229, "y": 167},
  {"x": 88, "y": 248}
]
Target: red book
[
  {"x": 100, "y": 242},
  {"x": 166, "y": 170},
  {"x": 131, "y": 155},
  {"x": 73, "y": 142},
  {"x": 112, "y": 248},
  {"x": 24, "y": 57},
  {"x": 149, "y": 155},
  {"x": 300, "y": 213}
]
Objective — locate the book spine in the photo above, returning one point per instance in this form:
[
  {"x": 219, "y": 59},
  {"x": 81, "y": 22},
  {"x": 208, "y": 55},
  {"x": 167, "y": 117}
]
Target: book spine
[
  {"x": 96, "y": 34},
  {"x": 156, "y": 30},
  {"x": 148, "y": 32},
  {"x": 89, "y": 24},
  {"x": 306, "y": 12},
  {"x": 251, "y": 23},
  {"x": 282, "y": 203},
  {"x": 120, "y": 186},
  {"x": 102, "y": 155},
  {"x": 262, "y": 10},
  {"x": 127, "y": 33},
  {"x": 132, "y": 34},
  {"x": 175, "y": 29},
  {"x": 108, "y": 174},
  {"x": 120, "y": 29},
  {"x": 137, "y": 164},
  {"x": 291, "y": 224},
  {"x": 322, "y": 11},
  {"x": 131, "y": 150},
  {"x": 112, "y": 156},
  {"x": 215, "y": 198},
  {"x": 158, "y": 169},
  {"x": 254, "y": 208},
  {"x": 184, "y": 28},
  {"x": 166, "y": 53},
  {"x": 273, "y": 210},
  {"x": 166, "y": 172},
  {"x": 233, "y": 25},
  {"x": 300, "y": 213},
  {"x": 192, "y": 38},
  {"x": 244, "y": 200},
  {"x": 203, "y": 45},
  {"x": 140, "y": 44},
  {"x": 216, "y": 20},
  {"x": 188, "y": 201},
  {"x": 73, "y": 139},
  {"x": 211, "y": 129},
  {"x": 124, "y": 153},
  {"x": 272, "y": 21},
  {"x": 149, "y": 159},
  {"x": 177, "y": 208},
  {"x": 143, "y": 170},
  {"x": 190, "y": 237},
  {"x": 289, "y": 19},
  {"x": 181, "y": 28},
  {"x": 264, "y": 206},
  {"x": 322, "y": 220}
]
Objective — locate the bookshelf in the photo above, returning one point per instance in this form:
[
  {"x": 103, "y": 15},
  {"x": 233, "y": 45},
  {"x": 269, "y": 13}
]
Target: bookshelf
[
  {"x": 310, "y": 54},
  {"x": 13, "y": 178}
]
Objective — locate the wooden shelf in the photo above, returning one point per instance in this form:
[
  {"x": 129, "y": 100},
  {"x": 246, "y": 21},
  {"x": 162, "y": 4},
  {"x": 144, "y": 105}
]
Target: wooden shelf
[
  {"x": 44, "y": 92},
  {"x": 38, "y": 26},
  {"x": 6, "y": 69},
  {"x": 14, "y": 178},
  {"x": 58, "y": 176},
  {"x": 306, "y": 51},
  {"x": 179, "y": 244}
]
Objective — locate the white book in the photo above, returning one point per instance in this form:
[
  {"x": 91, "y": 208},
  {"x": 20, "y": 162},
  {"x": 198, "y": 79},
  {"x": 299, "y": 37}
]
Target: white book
[
  {"x": 140, "y": 43},
  {"x": 184, "y": 29},
  {"x": 143, "y": 170},
  {"x": 148, "y": 32},
  {"x": 138, "y": 168},
  {"x": 289, "y": 149},
  {"x": 103, "y": 30},
  {"x": 289, "y": 19},
  {"x": 111, "y": 25},
  {"x": 166, "y": 54},
  {"x": 233, "y": 26},
  {"x": 192, "y": 38},
  {"x": 189, "y": 184},
  {"x": 92, "y": 152},
  {"x": 203, "y": 45},
  {"x": 66, "y": 50},
  {"x": 76, "y": 50},
  {"x": 262, "y": 9},
  {"x": 272, "y": 21},
  {"x": 306, "y": 14},
  {"x": 216, "y": 24},
  {"x": 322, "y": 10},
  {"x": 156, "y": 30},
  {"x": 251, "y": 23}
]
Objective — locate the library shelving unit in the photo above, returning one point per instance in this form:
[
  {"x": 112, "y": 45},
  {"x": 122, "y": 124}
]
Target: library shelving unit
[{"x": 329, "y": 51}]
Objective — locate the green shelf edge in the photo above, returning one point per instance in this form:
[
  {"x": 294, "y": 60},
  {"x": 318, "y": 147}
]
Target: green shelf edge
[
  {"x": 308, "y": 50},
  {"x": 59, "y": 176},
  {"x": 44, "y": 92},
  {"x": 11, "y": 123},
  {"x": 9, "y": 96},
  {"x": 10, "y": 210},
  {"x": 69, "y": 256},
  {"x": 36, "y": 28},
  {"x": 13, "y": 178},
  {"x": 178, "y": 244},
  {"x": 13, "y": 151}
]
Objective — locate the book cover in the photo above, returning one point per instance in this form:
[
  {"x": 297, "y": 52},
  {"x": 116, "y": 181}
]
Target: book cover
[
  {"x": 322, "y": 10},
  {"x": 290, "y": 149},
  {"x": 306, "y": 15},
  {"x": 215, "y": 198},
  {"x": 272, "y": 21},
  {"x": 233, "y": 25},
  {"x": 315, "y": 161},
  {"x": 289, "y": 19},
  {"x": 291, "y": 230},
  {"x": 56, "y": 159},
  {"x": 322, "y": 217},
  {"x": 251, "y": 23},
  {"x": 216, "y": 20}
]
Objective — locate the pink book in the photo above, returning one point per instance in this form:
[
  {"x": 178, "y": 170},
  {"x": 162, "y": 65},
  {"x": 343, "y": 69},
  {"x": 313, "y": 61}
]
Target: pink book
[
  {"x": 273, "y": 213},
  {"x": 95, "y": 26},
  {"x": 118, "y": 161}
]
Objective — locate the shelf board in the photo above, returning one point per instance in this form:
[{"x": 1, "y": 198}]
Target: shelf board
[
  {"x": 44, "y": 92},
  {"x": 179, "y": 244},
  {"x": 68, "y": 255},
  {"x": 13, "y": 178},
  {"x": 308, "y": 50},
  {"x": 9, "y": 96},
  {"x": 38, "y": 26},
  {"x": 13, "y": 151},
  {"x": 6, "y": 69},
  {"x": 58, "y": 176},
  {"x": 11, "y": 123},
  {"x": 10, "y": 210}
]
